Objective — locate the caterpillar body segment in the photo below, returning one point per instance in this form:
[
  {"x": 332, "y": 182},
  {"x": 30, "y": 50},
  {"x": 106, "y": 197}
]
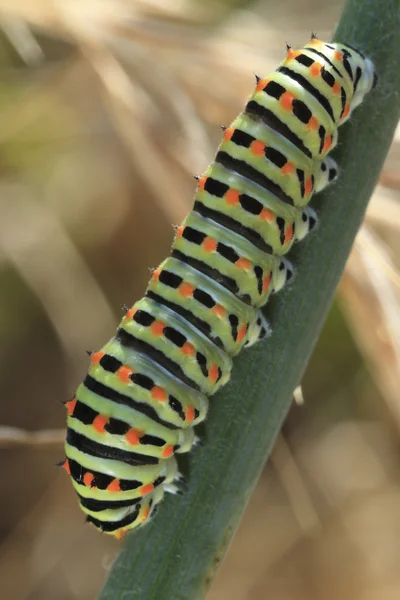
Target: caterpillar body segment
[{"x": 148, "y": 387}]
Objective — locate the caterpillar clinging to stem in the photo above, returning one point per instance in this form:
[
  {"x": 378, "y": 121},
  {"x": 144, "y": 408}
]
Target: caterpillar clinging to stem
[{"x": 148, "y": 386}]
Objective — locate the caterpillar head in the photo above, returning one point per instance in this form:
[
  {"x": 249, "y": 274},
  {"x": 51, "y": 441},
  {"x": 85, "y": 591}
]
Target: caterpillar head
[
  {"x": 364, "y": 77},
  {"x": 358, "y": 71}
]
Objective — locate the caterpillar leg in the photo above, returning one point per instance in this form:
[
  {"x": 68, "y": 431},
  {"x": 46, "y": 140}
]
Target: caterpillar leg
[
  {"x": 306, "y": 223},
  {"x": 325, "y": 172},
  {"x": 170, "y": 488},
  {"x": 282, "y": 275},
  {"x": 258, "y": 330}
]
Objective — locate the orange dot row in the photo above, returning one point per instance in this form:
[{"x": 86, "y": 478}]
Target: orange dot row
[
  {"x": 121, "y": 533},
  {"x": 257, "y": 147},
  {"x": 210, "y": 245},
  {"x": 113, "y": 486},
  {"x": 157, "y": 329},
  {"x": 232, "y": 197},
  {"x": 124, "y": 372}
]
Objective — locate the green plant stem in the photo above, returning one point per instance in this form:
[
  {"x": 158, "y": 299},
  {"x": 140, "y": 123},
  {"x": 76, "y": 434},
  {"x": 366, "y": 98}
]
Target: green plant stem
[{"x": 176, "y": 556}]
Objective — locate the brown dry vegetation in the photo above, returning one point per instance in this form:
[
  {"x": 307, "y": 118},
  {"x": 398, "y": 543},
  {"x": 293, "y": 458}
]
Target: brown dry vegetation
[{"x": 106, "y": 109}]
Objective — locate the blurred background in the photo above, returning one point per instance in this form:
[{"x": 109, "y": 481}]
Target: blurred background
[{"x": 107, "y": 109}]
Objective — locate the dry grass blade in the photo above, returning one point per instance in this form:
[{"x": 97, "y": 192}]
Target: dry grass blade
[
  {"x": 22, "y": 38},
  {"x": 170, "y": 62},
  {"x": 61, "y": 279},
  {"x": 66, "y": 19},
  {"x": 384, "y": 209},
  {"x": 390, "y": 176},
  {"x": 14, "y": 436},
  {"x": 32, "y": 540},
  {"x": 127, "y": 104},
  {"x": 370, "y": 297},
  {"x": 191, "y": 147},
  {"x": 296, "y": 489}
]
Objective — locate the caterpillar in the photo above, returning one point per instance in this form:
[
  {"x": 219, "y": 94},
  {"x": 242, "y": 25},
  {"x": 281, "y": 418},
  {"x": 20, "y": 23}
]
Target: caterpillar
[{"x": 148, "y": 387}]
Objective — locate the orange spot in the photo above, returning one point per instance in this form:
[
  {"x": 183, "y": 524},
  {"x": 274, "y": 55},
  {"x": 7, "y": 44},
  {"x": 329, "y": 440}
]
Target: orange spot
[
  {"x": 308, "y": 186},
  {"x": 96, "y": 357},
  {"x": 114, "y": 486},
  {"x": 328, "y": 144},
  {"x": 156, "y": 274},
  {"x": 179, "y": 231},
  {"x": 289, "y": 234},
  {"x": 228, "y": 133},
  {"x": 70, "y": 405},
  {"x": 241, "y": 333},
  {"x": 133, "y": 437},
  {"x": 88, "y": 479},
  {"x": 338, "y": 55},
  {"x": 99, "y": 423},
  {"x": 145, "y": 514},
  {"x": 267, "y": 215},
  {"x": 261, "y": 84},
  {"x": 232, "y": 197},
  {"x": 189, "y": 414},
  {"x": 219, "y": 310},
  {"x": 158, "y": 393},
  {"x": 266, "y": 282},
  {"x": 202, "y": 183},
  {"x": 315, "y": 42},
  {"x": 157, "y": 328},
  {"x": 209, "y": 245},
  {"x": 336, "y": 88},
  {"x": 65, "y": 466},
  {"x": 313, "y": 124},
  {"x": 124, "y": 373},
  {"x": 288, "y": 168},
  {"x": 168, "y": 451},
  {"x": 243, "y": 263},
  {"x": 130, "y": 313},
  {"x": 286, "y": 101},
  {"x": 186, "y": 290},
  {"x": 346, "y": 111},
  {"x": 146, "y": 489},
  {"x": 315, "y": 69},
  {"x": 120, "y": 534},
  {"x": 291, "y": 54},
  {"x": 257, "y": 148},
  {"x": 213, "y": 373},
  {"x": 188, "y": 349}
]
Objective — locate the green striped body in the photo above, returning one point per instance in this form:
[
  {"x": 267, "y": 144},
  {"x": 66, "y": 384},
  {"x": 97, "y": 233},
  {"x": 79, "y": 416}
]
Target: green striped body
[{"x": 148, "y": 387}]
